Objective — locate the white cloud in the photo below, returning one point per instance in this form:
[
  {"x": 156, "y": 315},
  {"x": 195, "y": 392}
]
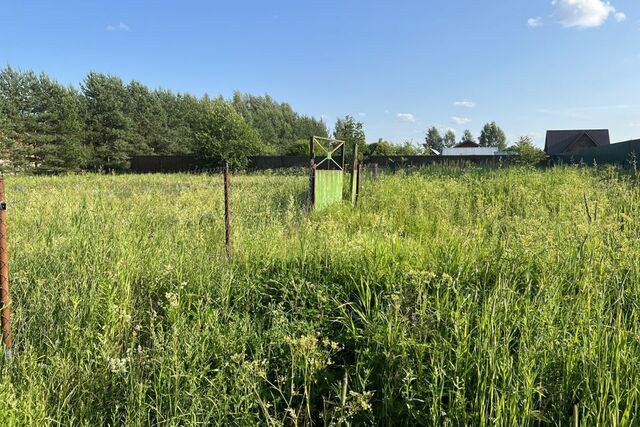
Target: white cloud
[
  {"x": 584, "y": 13},
  {"x": 465, "y": 104},
  {"x": 406, "y": 117},
  {"x": 362, "y": 114},
  {"x": 120, "y": 27},
  {"x": 619, "y": 17},
  {"x": 534, "y": 22},
  {"x": 460, "y": 120}
]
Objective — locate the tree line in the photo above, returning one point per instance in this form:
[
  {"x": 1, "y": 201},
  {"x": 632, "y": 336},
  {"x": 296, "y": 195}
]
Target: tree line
[
  {"x": 490, "y": 136},
  {"x": 48, "y": 127}
]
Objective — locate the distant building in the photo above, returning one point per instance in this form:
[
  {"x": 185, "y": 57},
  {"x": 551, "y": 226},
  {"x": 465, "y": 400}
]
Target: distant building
[
  {"x": 565, "y": 141},
  {"x": 471, "y": 149}
]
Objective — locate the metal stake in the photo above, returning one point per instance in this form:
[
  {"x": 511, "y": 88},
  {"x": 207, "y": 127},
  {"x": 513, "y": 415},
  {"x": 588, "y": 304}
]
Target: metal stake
[
  {"x": 5, "y": 312},
  {"x": 227, "y": 211}
]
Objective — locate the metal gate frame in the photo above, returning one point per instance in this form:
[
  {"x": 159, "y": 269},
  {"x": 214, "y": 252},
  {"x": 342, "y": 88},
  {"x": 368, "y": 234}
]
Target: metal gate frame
[{"x": 328, "y": 147}]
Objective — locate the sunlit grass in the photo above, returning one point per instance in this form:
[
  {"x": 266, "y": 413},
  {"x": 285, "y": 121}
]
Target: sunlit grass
[{"x": 448, "y": 297}]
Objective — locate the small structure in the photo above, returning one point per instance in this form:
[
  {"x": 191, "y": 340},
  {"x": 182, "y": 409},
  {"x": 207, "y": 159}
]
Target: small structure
[
  {"x": 326, "y": 171},
  {"x": 566, "y": 141},
  {"x": 470, "y": 148}
]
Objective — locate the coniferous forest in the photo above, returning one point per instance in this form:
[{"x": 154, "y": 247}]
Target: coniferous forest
[{"x": 47, "y": 127}]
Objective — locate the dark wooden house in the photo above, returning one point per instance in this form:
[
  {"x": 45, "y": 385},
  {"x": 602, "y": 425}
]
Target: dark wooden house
[{"x": 566, "y": 141}]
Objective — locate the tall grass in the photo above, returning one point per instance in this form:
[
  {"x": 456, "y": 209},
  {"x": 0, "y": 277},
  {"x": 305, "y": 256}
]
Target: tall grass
[{"x": 448, "y": 297}]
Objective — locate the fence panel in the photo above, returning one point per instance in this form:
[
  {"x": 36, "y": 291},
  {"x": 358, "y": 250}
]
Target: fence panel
[{"x": 622, "y": 154}]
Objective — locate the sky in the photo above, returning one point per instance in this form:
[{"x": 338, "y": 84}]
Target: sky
[{"x": 398, "y": 66}]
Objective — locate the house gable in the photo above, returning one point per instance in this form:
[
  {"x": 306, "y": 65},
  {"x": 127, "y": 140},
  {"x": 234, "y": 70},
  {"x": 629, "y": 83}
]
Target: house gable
[
  {"x": 582, "y": 141},
  {"x": 563, "y": 141}
]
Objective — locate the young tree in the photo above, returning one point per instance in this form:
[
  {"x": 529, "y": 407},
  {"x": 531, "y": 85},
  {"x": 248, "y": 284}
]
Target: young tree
[
  {"x": 433, "y": 140},
  {"x": 223, "y": 134},
  {"x": 527, "y": 152},
  {"x": 467, "y": 137},
  {"x": 380, "y": 148},
  {"x": 297, "y": 148},
  {"x": 351, "y": 132},
  {"x": 449, "y": 139},
  {"x": 406, "y": 149},
  {"x": 493, "y": 136}
]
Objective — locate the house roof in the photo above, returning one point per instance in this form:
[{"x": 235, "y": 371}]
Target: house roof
[{"x": 558, "y": 140}]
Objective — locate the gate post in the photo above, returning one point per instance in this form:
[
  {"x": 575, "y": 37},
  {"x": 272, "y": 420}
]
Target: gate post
[{"x": 312, "y": 173}]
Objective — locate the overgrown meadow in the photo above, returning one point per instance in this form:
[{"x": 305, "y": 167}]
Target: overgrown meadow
[{"x": 447, "y": 297}]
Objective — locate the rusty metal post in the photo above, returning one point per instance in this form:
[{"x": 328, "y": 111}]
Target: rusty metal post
[
  {"x": 358, "y": 182},
  {"x": 354, "y": 176},
  {"x": 312, "y": 173},
  {"x": 5, "y": 312},
  {"x": 227, "y": 211}
]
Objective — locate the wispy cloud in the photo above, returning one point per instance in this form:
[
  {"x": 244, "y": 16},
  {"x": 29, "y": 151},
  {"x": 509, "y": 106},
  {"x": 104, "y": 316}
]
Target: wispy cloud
[
  {"x": 634, "y": 124},
  {"x": 534, "y": 22},
  {"x": 460, "y": 120},
  {"x": 120, "y": 27},
  {"x": 362, "y": 114},
  {"x": 406, "y": 117},
  {"x": 465, "y": 104}
]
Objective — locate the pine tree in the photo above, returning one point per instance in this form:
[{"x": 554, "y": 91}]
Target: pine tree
[
  {"x": 108, "y": 126},
  {"x": 14, "y": 110}
]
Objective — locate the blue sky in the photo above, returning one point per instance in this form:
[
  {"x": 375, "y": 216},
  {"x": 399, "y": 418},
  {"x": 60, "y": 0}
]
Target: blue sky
[{"x": 399, "y": 66}]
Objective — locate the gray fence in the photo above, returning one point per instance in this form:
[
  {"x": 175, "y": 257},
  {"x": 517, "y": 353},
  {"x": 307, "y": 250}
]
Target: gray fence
[
  {"x": 621, "y": 154},
  {"x": 190, "y": 163},
  {"x": 400, "y": 162}
]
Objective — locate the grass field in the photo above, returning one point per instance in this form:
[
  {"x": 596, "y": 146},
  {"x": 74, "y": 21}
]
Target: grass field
[{"x": 448, "y": 297}]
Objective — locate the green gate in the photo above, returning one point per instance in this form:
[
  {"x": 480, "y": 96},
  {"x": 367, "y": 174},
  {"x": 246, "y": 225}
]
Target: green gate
[{"x": 326, "y": 178}]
